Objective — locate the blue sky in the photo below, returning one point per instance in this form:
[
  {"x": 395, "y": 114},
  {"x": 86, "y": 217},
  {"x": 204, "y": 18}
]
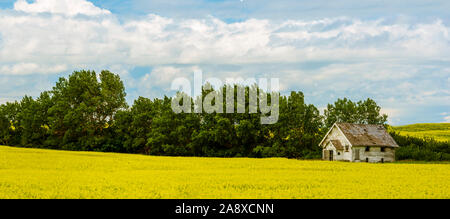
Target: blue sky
[{"x": 396, "y": 52}]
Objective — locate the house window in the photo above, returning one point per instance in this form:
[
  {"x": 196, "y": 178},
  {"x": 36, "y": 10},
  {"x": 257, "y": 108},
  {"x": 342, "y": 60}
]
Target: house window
[
  {"x": 346, "y": 148},
  {"x": 367, "y": 148},
  {"x": 367, "y": 159},
  {"x": 339, "y": 153},
  {"x": 383, "y": 149}
]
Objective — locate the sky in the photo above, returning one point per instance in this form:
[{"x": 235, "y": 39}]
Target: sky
[{"x": 395, "y": 52}]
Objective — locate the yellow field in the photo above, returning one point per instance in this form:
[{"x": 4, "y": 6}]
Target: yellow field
[
  {"x": 438, "y": 131},
  {"x": 35, "y": 173}
]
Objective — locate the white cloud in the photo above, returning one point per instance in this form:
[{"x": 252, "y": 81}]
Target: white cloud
[
  {"x": 30, "y": 68},
  {"x": 158, "y": 81},
  {"x": 5, "y": 100},
  {"x": 394, "y": 62},
  {"x": 164, "y": 76},
  {"x": 446, "y": 119},
  {"x": 156, "y": 40},
  {"x": 392, "y": 113},
  {"x": 66, "y": 7}
]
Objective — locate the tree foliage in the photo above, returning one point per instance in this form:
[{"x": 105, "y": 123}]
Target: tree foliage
[
  {"x": 427, "y": 149},
  {"x": 87, "y": 111},
  {"x": 361, "y": 112}
]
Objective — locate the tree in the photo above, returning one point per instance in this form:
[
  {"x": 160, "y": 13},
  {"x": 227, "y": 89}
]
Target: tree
[
  {"x": 6, "y": 126},
  {"x": 134, "y": 125},
  {"x": 362, "y": 112},
  {"x": 171, "y": 133},
  {"x": 83, "y": 108},
  {"x": 87, "y": 111},
  {"x": 298, "y": 127},
  {"x": 369, "y": 113},
  {"x": 9, "y": 123}
]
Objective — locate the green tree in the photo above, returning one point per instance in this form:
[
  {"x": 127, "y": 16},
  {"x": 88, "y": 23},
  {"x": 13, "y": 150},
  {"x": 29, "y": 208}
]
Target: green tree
[
  {"x": 83, "y": 108},
  {"x": 133, "y": 126},
  {"x": 10, "y": 122},
  {"x": 171, "y": 133},
  {"x": 362, "y": 112},
  {"x": 7, "y": 129},
  {"x": 87, "y": 111}
]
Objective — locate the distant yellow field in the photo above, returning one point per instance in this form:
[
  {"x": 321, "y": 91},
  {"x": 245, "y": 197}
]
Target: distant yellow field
[
  {"x": 35, "y": 173},
  {"x": 438, "y": 131}
]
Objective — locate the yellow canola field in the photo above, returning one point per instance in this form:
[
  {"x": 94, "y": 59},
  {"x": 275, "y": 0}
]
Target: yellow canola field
[
  {"x": 437, "y": 131},
  {"x": 36, "y": 173}
]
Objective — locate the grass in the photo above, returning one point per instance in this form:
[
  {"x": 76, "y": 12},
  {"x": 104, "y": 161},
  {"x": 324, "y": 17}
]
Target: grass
[
  {"x": 44, "y": 174},
  {"x": 438, "y": 131}
]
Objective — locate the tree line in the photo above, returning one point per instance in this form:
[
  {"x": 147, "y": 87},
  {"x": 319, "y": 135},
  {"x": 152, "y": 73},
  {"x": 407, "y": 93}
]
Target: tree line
[
  {"x": 426, "y": 149},
  {"x": 88, "y": 111}
]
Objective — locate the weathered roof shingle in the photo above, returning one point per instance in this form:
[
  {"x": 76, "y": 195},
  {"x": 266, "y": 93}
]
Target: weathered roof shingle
[
  {"x": 367, "y": 135},
  {"x": 337, "y": 144}
]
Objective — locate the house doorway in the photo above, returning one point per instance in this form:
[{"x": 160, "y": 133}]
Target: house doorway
[
  {"x": 356, "y": 154},
  {"x": 331, "y": 155}
]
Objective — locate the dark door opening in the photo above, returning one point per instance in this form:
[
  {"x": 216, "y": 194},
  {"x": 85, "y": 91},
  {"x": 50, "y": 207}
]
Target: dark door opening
[
  {"x": 331, "y": 155},
  {"x": 356, "y": 154}
]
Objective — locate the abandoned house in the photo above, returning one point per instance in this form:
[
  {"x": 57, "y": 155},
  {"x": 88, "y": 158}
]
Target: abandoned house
[{"x": 358, "y": 143}]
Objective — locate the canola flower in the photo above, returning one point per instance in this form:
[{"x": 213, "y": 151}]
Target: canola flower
[
  {"x": 437, "y": 131},
  {"x": 45, "y": 174}
]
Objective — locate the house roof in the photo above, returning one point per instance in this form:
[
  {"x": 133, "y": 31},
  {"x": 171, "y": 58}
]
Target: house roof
[
  {"x": 337, "y": 144},
  {"x": 366, "y": 135}
]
